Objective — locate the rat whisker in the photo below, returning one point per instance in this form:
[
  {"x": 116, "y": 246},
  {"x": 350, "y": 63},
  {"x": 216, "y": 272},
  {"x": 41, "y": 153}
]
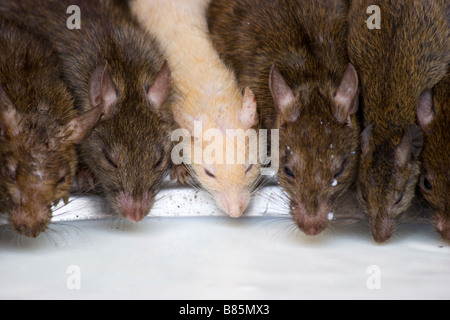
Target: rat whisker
[
  {"x": 275, "y": 198},
  {"x": 66, "y": 231},
  {"x": 160, "y": 198}
]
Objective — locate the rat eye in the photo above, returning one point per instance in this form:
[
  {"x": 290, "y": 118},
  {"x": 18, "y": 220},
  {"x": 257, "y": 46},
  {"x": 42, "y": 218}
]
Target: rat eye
[
  {"x": 426, "y": 184},
  {"x": 61, "y": 180},
  {"x": 161, "y": 158},
  {"x": 399, "y": 198},
  {"x": 342, "y": 170},
  {"x": 249, "y": 169},
  {"x": 288, "y": 172},
  {"x": 208, "y": 173},
  {"x": 109, "y": 160},
  {"x": 363, "y": 195}
]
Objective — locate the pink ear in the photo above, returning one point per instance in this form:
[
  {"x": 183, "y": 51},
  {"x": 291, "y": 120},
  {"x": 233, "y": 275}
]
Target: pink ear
[
  {"x": 9, "y": 117},
  {"x": 249, "y": 112},
  {"x": 345, "y": 99},
  {"x": 283, "y": 96},
  {"x": 425, "y": 110},
  {"x": 159, "y": 91},
  {"x": 103, "y": 91}
]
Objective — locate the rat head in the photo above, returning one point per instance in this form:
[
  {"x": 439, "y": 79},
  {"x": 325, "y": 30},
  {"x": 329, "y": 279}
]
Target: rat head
[
  {"x": 224, "y": 158},
  {"x": 434, "y": 182},
  {"x": 319, "y": 140},
  {"x": 388, "y": 175},
  {"x": 129, "y": 153},
  {"x": 37, "y": 163}
]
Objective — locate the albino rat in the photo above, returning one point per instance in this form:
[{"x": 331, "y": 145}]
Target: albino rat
[
  {"x": 435, "y": 179},
  {"x": 210, "y": 95},
  {"x": 39, "y": 128},
  {"x": 294, "y": 57},
  {"x": 397, "y": 65},
  {"x": 111, "y": 60}
]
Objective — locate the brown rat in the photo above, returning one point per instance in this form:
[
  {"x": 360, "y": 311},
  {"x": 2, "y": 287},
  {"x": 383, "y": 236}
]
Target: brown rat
[
  {"x": 435, "y": 179},
  {"x": 397, "y": 66},
  {"x": 111, "y": 60},
  {"x": 39, "y": 128},
  {"x": 294, "y": 57}
]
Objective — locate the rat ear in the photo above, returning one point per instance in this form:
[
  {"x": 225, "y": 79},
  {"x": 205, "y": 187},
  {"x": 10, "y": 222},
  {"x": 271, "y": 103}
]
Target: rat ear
[
  {"x": 365, "y": 139},
  {"x": 9, "y": 117},
  {"x": 82, "y": 126},
  {"x": 159, "y": 91},
  {"x": 346, "y": 96},
  {"x": 102, "y": 90},
  {"x": 283, "y": 96},
  {"x": 425, "y": 109},
  {"x": 249, "y": 113},
  {"x": 411, "y": 145}
]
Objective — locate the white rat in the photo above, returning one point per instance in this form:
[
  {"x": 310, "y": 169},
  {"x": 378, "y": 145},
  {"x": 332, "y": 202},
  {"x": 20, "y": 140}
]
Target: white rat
[{"x": 210, "y": 94}]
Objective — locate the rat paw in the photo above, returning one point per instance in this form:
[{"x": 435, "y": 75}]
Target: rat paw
[{"x": 180, "y": 173}]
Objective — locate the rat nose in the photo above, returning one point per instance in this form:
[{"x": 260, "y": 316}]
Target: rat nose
[
  {"x": 443, "y": 228},
  {"x": 309, "y": 225},
  {"x": 236, "y": 210},
  {"x": 30, "y": 224},
  {"x": 234, "y": 202},
  {"x": 311, "y": 222},
  {"x": 132, "y": 208},
  {"x": 446, "y": 234},
  {"x": 383, "y": 231}
]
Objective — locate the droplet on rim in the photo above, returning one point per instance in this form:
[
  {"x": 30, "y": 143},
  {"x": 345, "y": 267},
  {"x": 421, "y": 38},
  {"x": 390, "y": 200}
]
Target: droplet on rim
[{"x": 335, "y": 183}]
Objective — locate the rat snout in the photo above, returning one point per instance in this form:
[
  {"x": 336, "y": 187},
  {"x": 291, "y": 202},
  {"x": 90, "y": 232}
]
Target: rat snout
[
  {"x": 312, "y": 223},
  {"x": 383, "y": 229},
  {"x": 134, "y": 208},
  {"x": 234, "y": 202},
  {"x": 235, "y": 210},
  {"x": 443, "y": 227},
  {"x": 30, "y": 222}
]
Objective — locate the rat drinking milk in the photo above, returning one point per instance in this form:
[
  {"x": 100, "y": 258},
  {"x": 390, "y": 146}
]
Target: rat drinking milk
[
  {"x": 112, "y": 61},
  {"x": 293, "y": 56},
  {"x": 434, "y": 119},
  {"x": 39, "y": 128},
  {"x": 398, "y": 65},
  {"x": 210, "y": 98}
]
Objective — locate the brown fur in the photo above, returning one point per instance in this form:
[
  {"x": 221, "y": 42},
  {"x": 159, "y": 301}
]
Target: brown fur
[
  {"x": 436, "y": 159},
  {"x": 396, "y": 65},
  {"x": 295, "y": 51},
  {"x": 129, "y": 154},
  {"x": 37, "y": 152}
]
